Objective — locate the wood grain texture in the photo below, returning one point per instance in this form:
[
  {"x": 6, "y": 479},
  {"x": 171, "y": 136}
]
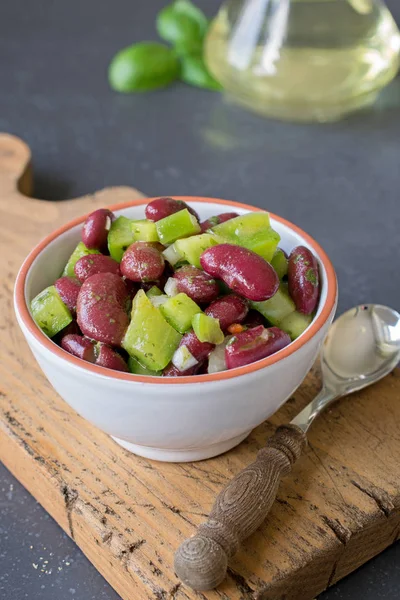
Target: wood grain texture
[
  {"x": 239, "y": 510},
  {"x": 339, "y": 507}
]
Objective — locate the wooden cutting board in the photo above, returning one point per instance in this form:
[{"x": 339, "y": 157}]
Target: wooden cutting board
[{"x": 339, "y": 508}]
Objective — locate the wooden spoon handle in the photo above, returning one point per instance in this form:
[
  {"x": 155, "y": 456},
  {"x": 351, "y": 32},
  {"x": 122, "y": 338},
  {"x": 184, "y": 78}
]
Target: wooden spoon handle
[{"x": 201, "y": 561}]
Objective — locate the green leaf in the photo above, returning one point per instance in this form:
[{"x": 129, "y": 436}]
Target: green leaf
[
  {"x": 194, "y": 72},
  {"x": 190, "y": 46},
  {"x": 177, "y": 27},
  {"x": 190, "y": 10},
  {"x": 142, "y": 67}
]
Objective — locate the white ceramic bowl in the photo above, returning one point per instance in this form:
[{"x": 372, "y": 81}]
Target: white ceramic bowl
[{"x": 172, "y": 419}]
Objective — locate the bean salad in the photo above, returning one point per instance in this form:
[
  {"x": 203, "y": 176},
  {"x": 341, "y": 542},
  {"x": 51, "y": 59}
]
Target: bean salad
[{"x": 170, "y": 295}]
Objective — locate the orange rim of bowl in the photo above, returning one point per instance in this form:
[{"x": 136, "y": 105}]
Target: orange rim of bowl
[{"x": 314, "y": 327}]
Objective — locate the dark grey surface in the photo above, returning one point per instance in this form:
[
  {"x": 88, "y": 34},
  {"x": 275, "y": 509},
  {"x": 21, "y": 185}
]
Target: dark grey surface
[{"x": 339, "y": 182}]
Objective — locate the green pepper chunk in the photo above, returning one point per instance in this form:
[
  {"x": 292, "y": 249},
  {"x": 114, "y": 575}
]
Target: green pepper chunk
[
  {"x": 192, "y": 248},
  {"x": 154, "y": 291},
  {"x": 149, "y": 338},
  {"x": 79, "y": 251},
  {"x": 120, "y": 237},
  {"x": 136, "y": 368},
  {"x": 207, "y": 329},
  {"x": 179, "y": 312},
  {"x": 144, "y": 231},
  {"x": 181, "y": 224},
  {"x": 50, "y": 312},
  {"x": 295, "y": 323},
  {"x": 280, "y": 263},
  {"x": 252, "y": 231},
  {"x": 243, "y": 226},
  {"x": 276, "y": 308}
]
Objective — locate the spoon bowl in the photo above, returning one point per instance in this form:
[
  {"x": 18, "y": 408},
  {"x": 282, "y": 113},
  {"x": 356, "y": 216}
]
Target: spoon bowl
[{"x": 362, "y": 346}]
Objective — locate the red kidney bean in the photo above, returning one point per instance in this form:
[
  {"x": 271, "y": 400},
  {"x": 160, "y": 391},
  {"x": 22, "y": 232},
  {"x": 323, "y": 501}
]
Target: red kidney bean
[
  {"x": 213, "y": 221},
  {"x": 253, "y": 319},
  {"x": 200, "y": 350},
  {"x": 172, "y": 371},
  {"x": 164, "y": 207},
  {"x": 96, "y": 227},
  {"x": 254, "y": 344},
  {"x": 95, "y": 263},
  {"x": 160, "y": 283},
  {"x": 68, "y": 290},
  {"x": 228, "y": 310},
  {"x": 102, "y": 308},
  {"x": 199, "y": 286},
  {"x": 157, "y": 245},
  {"x": 303, "y": 279},
  {"x": 79, "y": 346},
  {"x": 243, "y": 271},
  {"x": 142, "y": 262},
  {"x": 110, "y": 359}
]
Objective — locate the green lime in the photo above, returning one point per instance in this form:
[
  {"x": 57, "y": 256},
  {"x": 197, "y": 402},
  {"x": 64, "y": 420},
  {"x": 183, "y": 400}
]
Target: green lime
[{"x": 142, "y": 67}]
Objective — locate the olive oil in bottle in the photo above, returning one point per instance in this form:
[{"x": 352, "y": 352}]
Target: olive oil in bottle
[{"x": 303, "y": 60}]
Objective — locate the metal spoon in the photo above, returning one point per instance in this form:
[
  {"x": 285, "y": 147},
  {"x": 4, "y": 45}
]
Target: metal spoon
[{"x": 361, "y": 347}]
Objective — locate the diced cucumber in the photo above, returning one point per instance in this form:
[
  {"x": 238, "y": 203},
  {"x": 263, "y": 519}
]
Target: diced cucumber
[
  {"x": 79, "y": 251},
  {"x": 280, "y": 263},
  {"x": 252, "y": 231},
  {"x": 120, "y": 237},
  {"x": 50, "y": 312},
  {"x": 144, "y": 231},
  {"x": 276, "y": 308},
  {"x": 149, "y": 338},
  {"x": 295, "y": 323},
  {"x": 178, "y": 225},
  {"x": 207, "y": 329},
  {"x": 179, "y": 312},
  {"x": 136, "y": 368},
  {"x": 154, "y": 291},
  {"x": 193, "y": 247}
]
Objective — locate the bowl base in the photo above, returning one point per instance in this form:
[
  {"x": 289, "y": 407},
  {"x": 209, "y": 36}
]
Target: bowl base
[{"x": 184, "y": 455}]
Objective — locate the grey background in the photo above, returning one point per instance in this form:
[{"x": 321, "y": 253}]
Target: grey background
[{"x": 340, "y": 182}]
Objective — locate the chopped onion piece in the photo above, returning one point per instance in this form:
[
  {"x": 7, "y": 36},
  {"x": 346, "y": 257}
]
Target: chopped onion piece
[
  {"x": 171, "y": 287},
  {"x": 172, "y": 255},
  {"x": 158, "y": 300},
  {"x": 108, "y": 223},
  {"x": 183, "y": 359},
  {"x": 216, "y": 359}
]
